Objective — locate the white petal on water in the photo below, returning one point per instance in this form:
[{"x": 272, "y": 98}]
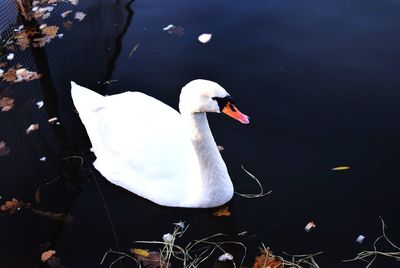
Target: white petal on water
[
  {"x": 10, "y": 56},
  {"x": 168, "y": 238},
  {"x": 205, "y": 37},
  {"x": 40, "y": 104},
  {"x": 43, "y": 158},
  {"x": 360, "y": 239},
  {"x": 168, "y": 27},
  {"x": 225, "y": 257}
]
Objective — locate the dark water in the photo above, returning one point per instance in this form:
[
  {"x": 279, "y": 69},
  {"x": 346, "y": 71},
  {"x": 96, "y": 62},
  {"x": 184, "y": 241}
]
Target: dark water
[{"x": 318, "y": 78}]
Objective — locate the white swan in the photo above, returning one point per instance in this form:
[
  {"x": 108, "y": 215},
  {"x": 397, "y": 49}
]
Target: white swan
[{"x": 148, "y": 148}]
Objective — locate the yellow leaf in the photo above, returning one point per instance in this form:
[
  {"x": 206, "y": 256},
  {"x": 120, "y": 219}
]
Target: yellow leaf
[
  {"x": 341, "y": 168},
  {"x": 141, "y": 252}
]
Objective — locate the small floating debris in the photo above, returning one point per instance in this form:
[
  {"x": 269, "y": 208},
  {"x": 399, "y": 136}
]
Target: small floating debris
[
  {"x": 40, "y": 104},
  {"x": 32, "y": 128},
  {"x": 205, "y": 38},
  {"x": 47, "y": 255},
  {"x": 4, "y": 149},
  {"x": 168, "y": 238},
  {"x": 225, "y": 257},
  {"x": 66, "y": 13},
  {"x": 222, "y": 212},
  {"x": 311, "y": 225},
  {"x": 220, "y": 148},
  {"x": 167, "y": 28},
  {"x": 172, "y": 29},
  {"x": 1, "y": 72},
  {"x": 52, "y": 120},
  {"x": 10, "y": 56},
  {"x": 80, "y": 15},
  {"x": 341, "y": 168},
  {"x": 43, "y": 159},
  {"x": 6, "y": 104},
  {"x": 360, "y": 239}
]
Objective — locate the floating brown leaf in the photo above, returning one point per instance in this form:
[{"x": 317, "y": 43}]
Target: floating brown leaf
[
  {"x": 47, "y": 255},
  {"x": 68, "y": 24},
  {"x": 4, "y": 149},
  {"x": 50, "y": 31},
  {"x": 13, "y": 205},
  {"x": 6, "y": 104},
  {"x": 10, "y": 75},
  {"x": 224, "y": 211},
  {"x": 267, "y": 260}
]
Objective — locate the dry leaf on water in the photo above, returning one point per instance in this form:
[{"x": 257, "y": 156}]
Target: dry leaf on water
[
  {"x": 50, "y": 31},
  {"x": 68, "y": 24},
  {"x": 341, "y": 168},
  {"x": 80, "y": 15},
  {"x": 13, "y": 205},
  {"x": 149, "y": 259},
  {"x": 4, "y": 149},
  {"x": 64, "y": 14},
  {"x": 32, "y": 128},
  {"x": 6, "y": 104},
  {"x": 267, "y": 260},
  {"x": 224, "y": 211},
  {"x": 10, "y": 75},
  {"x": 47, "y": 255},
  {"x": 18, "y": 75}
]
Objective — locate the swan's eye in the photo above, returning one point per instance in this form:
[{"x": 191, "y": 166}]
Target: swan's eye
[{"x": 223, "y": 102}]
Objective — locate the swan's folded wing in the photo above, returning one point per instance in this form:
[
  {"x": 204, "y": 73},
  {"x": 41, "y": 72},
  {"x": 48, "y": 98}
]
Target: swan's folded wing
[{"x": 140, "y": 142}]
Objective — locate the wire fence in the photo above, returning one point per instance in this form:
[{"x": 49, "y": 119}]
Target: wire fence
[{"x": 8, "y": 19}]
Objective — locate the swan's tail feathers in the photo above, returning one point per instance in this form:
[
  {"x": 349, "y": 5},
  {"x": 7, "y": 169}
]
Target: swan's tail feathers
[{"x": 85, "y": 99}]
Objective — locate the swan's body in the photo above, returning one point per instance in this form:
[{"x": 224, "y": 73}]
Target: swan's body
[{"x": 148, "y": 148}]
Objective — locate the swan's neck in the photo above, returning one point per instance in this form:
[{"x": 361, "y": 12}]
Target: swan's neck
[{"x": 215, "y": 181}]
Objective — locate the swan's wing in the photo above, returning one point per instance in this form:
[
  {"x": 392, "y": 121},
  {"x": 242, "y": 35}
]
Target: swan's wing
[{"x": 140, "y": 143}]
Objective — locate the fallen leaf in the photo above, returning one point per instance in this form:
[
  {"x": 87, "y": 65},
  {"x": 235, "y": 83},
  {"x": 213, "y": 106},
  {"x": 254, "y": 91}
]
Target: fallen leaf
[
  {"x": 50, "y": 31},
  {"x": 267, "y": 260},
  {"x": 6, "y": 104},
  {"x": 4, "y": 149},
  {"x": 68, "y": 24},
  {"x": 152, "y": 260},
  {"x": 341, "y": 168},
  {"x": 309, "y": 226},
  {"x": 224, "y": 211},
  {"x": 32, "y": 128},
  {"x": 13, "y": 205},
  {"x": 140, "y": 252},
  {"x": 79, "y": 15},
  {"x": 64, "y": 14},
  {"x": 10, "y": 75},
  {"x": 47, "y": 255}
]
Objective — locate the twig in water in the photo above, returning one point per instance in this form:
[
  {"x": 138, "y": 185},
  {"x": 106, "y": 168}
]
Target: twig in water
[
  {"x": 261, "y": 194},
  {"x": 364, "y": 255}
]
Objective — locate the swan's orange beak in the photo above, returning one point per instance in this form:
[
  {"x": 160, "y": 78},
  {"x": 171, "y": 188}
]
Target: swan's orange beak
[{"x": 231, "y": 110}]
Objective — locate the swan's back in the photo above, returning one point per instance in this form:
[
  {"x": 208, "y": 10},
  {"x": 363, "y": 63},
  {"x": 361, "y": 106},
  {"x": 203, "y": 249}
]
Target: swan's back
[{"x": 140, "y": 144}]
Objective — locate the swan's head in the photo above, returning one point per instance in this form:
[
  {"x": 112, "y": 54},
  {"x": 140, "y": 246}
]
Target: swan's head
[{"x": 204, "y": 96}]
